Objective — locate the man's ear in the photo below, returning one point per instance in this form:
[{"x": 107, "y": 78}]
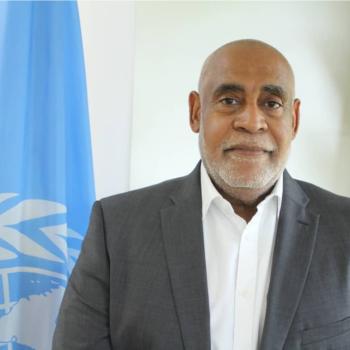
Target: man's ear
[
  {"x": 296, "y": 116},
  {"x": 194, "y": 107}
]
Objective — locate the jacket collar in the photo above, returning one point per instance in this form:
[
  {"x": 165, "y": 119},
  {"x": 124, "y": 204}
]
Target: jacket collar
[
  {"x": 184, "y": 248},
  {"x": 294, "y": 247}
]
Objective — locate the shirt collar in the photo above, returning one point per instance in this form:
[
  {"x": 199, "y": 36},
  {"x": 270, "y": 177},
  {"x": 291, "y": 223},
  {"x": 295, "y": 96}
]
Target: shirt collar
[{"x": 210, "y": 193}]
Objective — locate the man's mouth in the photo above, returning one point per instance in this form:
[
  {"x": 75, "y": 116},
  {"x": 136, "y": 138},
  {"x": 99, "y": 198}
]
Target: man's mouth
[{"x": 248, "y": 151}]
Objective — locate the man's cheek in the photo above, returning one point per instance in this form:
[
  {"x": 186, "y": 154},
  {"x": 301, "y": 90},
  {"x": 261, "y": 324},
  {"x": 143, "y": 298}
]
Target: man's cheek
[{"x": 216, "y": 130}]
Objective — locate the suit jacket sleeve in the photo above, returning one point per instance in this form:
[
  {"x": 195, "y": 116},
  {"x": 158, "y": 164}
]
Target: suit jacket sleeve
[{"x": 83, "y": 321}]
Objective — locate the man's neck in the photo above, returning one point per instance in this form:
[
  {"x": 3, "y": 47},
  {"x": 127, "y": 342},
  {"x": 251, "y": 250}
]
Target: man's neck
[{"x": 245, "y": 201}]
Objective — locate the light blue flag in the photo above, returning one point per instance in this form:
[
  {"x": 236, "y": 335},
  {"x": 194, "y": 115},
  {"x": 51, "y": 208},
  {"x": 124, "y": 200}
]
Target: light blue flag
[{"x": 46, "y": 179}]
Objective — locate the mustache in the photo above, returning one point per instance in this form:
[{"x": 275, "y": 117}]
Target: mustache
[{"x": 249, "y": 145}]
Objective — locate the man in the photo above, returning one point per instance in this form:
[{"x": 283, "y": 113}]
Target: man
[{"x": 235, "y": 256}]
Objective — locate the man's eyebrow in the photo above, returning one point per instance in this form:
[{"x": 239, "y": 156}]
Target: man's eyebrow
[
  {"x": 225, "y": 88},
  {"x": 275, "y": 90}
]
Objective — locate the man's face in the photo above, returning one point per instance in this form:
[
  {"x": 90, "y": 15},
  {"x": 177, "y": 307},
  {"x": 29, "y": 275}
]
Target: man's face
[{"x": 246, "y": 117}]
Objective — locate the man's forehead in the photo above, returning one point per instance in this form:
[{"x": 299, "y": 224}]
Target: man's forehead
[
  {"x": 278, "y": 90},
  {"x": 244, "y": 62},
  {"x": 248, "y": 77}
]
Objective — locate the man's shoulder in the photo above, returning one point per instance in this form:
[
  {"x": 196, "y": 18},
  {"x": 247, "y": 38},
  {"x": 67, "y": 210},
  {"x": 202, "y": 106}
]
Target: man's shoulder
[
  {"x": 156, "y": 191},
  {"x": 146, "y": 196},
  {"x": 143, "y": 206},
  {"x": 322, "y": 198}
]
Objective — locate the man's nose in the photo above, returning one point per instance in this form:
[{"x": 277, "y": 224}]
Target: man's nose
[{"x": 251, "y": 120}]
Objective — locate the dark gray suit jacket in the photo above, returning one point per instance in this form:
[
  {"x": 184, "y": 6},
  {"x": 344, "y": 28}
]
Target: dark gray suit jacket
[{"x": 140, "y": 282}]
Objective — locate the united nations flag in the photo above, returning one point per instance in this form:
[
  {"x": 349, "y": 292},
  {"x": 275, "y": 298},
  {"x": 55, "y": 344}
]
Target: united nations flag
[{"x": 46, "y": 181}]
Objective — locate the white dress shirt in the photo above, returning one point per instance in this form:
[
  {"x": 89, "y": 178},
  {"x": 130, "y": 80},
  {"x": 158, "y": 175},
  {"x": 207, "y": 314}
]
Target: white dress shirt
[{"x": 238, "y": 261}]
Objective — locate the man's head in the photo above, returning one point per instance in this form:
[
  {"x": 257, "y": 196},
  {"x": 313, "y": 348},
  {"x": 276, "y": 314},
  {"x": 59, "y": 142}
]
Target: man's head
[{"x": 245, "y": 114}]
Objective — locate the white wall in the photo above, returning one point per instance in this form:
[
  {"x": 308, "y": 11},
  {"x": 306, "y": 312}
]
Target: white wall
[
  {"x": 172, "y": 41},
  {"x": 108, "y": 39}
]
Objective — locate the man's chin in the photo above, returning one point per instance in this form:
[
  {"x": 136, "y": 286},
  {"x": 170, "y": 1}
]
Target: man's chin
[{"x": 249, "y": 181}]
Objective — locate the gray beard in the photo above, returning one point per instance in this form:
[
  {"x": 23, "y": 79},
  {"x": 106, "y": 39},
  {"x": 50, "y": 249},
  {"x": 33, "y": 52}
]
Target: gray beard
[{"x": 228, "y": 175}]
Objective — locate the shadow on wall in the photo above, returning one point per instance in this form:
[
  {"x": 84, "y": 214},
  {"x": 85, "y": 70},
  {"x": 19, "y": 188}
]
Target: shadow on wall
[{"x": 335, "y": 55}]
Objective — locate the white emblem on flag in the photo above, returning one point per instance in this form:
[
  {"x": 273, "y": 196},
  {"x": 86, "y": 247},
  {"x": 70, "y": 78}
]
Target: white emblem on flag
[{"x": 34, "y": 267}]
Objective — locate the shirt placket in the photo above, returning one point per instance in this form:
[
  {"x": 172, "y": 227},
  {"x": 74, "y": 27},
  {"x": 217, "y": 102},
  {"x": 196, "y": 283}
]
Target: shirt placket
[{"x": 246, "y": 280}]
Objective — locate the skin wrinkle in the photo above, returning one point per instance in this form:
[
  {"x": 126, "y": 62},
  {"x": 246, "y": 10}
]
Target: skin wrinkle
[{"x": 246, "y": 116}]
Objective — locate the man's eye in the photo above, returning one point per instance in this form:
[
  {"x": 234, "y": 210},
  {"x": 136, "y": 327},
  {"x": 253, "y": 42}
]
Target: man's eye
[
  {"x": 273, "y": 104},
  {"x": 229, "y": 101}
]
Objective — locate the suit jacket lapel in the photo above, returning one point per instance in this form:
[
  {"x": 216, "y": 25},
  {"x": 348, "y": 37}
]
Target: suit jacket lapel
[
  {"x": 184, "y": 248},
  {"x": 295, "y": 240}
]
